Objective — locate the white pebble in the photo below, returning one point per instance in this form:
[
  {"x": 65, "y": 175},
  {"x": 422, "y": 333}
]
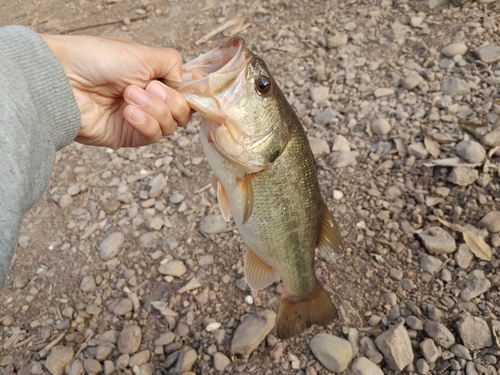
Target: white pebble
[
  {"x": 213, "y": 326},
  {"x": 338, "y": 195},
  {"x": 249, "y": 300}
]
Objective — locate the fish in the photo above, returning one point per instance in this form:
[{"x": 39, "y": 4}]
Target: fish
[{"x": 265, "y": 179}]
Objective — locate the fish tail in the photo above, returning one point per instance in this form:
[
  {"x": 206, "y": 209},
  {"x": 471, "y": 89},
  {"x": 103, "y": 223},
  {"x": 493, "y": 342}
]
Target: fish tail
[{"x": 296, "y": 316}]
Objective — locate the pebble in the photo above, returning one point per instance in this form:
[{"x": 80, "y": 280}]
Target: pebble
[
  {"x": 381, "y": 126},
  {"x": 418, "y": 150},
  {"x": 110, "y": 207},
  {"x": 139, "y": 358},
  {"x": 319, "y": 147},
  {"x": 76, "y": 368},
  {"x": 395, "y": 346},
  {"x": 212, "y": 224},
  {"x": 186, "y": 360},
  {"x": 453, "y": 49},
  {"x": 370, "y": 350},
  {"x": 176, "y": 198},
  {"x": 412, "y": 80},
  {"x": 491, "y": 139},
  {"x": 92, "y": 366},
  {"x": 476, "y": 284},
  {"x": 73, "y": 190},
  {"x": 59, "y": 357},
  {"x": 319, "y": 93},
  {"x": 471, "y": 151},
  {"x": 337, "y": 41},
  {"x": 123, "y": 307},
  {"x": 157, "y": 186},
  {"x": 175, "y": 268},
  {"x": 191, "y": 284},
  {"x": 130, "y": 339},
  {"x": 66, "y": 200},
  {"x": 337, "y": 195},
  {"x": 429, "y": 350},
  {"x": 488, "y": 54},
  {"x": 463, "y": 256},
  {"x": 440, "y": 334},
  {"x": 363, "y": 366},
  {"x": 383, "y": 91},
  {"x": 463, "y": 176},
  {"x": 461, "y": 351},
  {"x": 422, "y": 366},
  {"x": 438, "y": 241},
  {"x": 165, "y": 339},
  {"x": 324, "y": 117},
  {"x": 455, "y": 87},
  {"x": 414, "y": 323},
  {"x": 332, "y": 352},
  {"x": 430, "y": 264},
  {"x": 88, "y": 284},
  {"x": 340, "y": 143},
  {"x": 221, "y": 361},
  {"x": 474, "y": 332},
  {"x": 252, "y": 331},
  {"x": 101, "y": 352},
  {"x": 111, "y": 246},
  {"x": 491, "y": 221},
  {"x": 344, "y": 159}
]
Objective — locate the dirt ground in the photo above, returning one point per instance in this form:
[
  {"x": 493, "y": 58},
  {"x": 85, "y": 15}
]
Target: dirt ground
[{"x": 59, "y": 246}]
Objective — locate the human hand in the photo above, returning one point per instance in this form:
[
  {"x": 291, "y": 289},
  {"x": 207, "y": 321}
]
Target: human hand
[{"x": 114, "y": 82}]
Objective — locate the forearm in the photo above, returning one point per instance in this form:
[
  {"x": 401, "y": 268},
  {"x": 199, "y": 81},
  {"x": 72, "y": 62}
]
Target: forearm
[{"x": 38, "y": 116}]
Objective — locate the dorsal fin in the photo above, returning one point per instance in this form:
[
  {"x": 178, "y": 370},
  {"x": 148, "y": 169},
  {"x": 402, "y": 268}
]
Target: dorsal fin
[{"x": 330, "y": 242}]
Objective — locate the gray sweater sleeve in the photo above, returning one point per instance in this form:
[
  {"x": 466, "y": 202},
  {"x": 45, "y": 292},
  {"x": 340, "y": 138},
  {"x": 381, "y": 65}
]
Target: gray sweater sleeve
[{"x": 38, "y": 116}]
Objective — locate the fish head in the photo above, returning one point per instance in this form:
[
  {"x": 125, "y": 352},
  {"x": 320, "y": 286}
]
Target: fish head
[{"x": 240, "y": 102}]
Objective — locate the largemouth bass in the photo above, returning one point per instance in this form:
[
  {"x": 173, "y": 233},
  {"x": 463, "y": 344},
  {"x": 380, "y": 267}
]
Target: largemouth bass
[{"x": 265, "y": 178}]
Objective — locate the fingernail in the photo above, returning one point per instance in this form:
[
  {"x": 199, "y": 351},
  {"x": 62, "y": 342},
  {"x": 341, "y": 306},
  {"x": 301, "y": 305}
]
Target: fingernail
[
  {"x": 138, "y": 97},
  {"x": 137, "y": 115},
  {"x": 157, "y": 89}
]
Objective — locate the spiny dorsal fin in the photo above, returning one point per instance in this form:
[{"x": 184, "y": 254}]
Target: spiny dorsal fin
[
  {"x": 258, "y": 274},
  {"x": 330, "y": 242}
]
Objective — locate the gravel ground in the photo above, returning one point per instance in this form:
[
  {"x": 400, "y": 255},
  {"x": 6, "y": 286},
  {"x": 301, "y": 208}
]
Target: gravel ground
[{"x": 125, "y": 266}]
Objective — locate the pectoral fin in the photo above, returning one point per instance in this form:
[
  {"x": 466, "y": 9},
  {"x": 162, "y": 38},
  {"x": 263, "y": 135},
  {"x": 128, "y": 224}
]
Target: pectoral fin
[
  {"x": 258, "y": 274},
  {"x": 330, "y": 242},
  {"x": 246, "y": 190},
  {"x": 225, "y": 207}
]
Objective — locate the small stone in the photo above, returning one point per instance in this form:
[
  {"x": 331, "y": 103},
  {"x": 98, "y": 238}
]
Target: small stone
[
  {"x": 418, "y": 150},
  {"x": 463, "y": 176},
  {"x": 175, "y": 268},
  {"x": 340, "y": 143},
  {"x": 455, "y": 87},
  {"x": 429, "y": 350},
  {"x": 414, "y": 323},
  {"x": 157, "y": 186},
  {"x": 76, "y": 368},
  {"x": 463, "y": 256},
  {"x": 110, "y": 207},
  {"x": 101, "y": 352},
  {"x": 130, "y": 339},
  {"x": 453, "y": 49},
  {"x": 430, "y": 264},
  {"x": 139, "y": 358},
  {"x": 147, "y": 240},
  {"x": 73, "y": 190},
  {"x": 474, "y": 332},
  {"x": 344, "y": 159},
  {"x": 192, "y": 284},
  {"x": 333, "y": 352},
  {"x": 252, "y": 331},
  {"x": 338, "y": 195},
  {"x": 324, "y": 117},
  {"x": 422, "y": 366},
  {"x": 471, "y": 151},
  {"x": 213, "y": 326},
  {"x": 363, "y": 366},
  {"x": 381, "y": 126},
  {"x": 88, "y": 284},
  {"x": 369, "y": 349},
  {"x": 491, "y": 139},
  {"x": 123, "y": 307},
  {"x": 176, "y": 198},
  {"x": 66, "y": 200},
  {"x": 319, "y": 147},
  {"x": 476, "y": 285},
  {"x": 221, "y": 361},
  {"x": 461, "y": 351},
  {"x": 382, "y": 92},
  {"x": 111, "y": 246},
  {"x": 491, "y": 221},
  {"x": 165, "y": 339},
  {"x": 337, "y": 41},
  {"x": 440, "y": 334},
  {"x": 395, "y": 346},
  {"x": 412, "y": 80},
  {"x": 59, "y": 357},
  {"x": 319, "y": 93},
  {"x": 212, "y": 224},
  {"x": 488, "y": 54},
  {"x": 438, "y": 241},
  {"x": 92, "y": 366},
  {"x": 186, "y": 360}
]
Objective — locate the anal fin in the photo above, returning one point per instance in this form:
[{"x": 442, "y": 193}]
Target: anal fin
[
  {"x": 258, "y": 274},
  {"x": 330, "y": 242},
  {"x": 296, "y": 316}
]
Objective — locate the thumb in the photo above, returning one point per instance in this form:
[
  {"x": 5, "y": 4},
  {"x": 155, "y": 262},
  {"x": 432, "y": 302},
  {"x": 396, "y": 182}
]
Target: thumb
[{"x": 166, "y": 63}]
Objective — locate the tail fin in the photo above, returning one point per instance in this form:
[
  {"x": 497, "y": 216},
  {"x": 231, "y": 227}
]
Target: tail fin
[{"x": 296, "y": 316}]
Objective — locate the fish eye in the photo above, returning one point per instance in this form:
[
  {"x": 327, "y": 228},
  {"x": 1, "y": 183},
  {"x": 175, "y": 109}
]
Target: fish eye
[{"x": 263, "y": 85}]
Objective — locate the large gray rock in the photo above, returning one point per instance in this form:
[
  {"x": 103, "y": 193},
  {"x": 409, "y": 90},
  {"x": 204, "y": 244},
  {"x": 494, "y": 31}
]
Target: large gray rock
[
  {"x": 455, "y": 87},
  {"x": 488, "y": 54},
  {"x": 395, "y": 346},
  {"x": 252, "y": 331},
  {"x": 474, "y": 332},
  {"x": 130, "y": 339},
  {"x": 471, "y": 151},
  {"x": 491, "y": 221},
  {"x": 438, "y": 241},
  {"x": 111, "y": 246},
  {"x": 363, "y": 366},
  {"x": 476, "y": 284},
  {"x": 333, "y": 352},
  {"x": 454, "y": 49},
  {"x": 463, "y": 176},
  {"x": 59, "y": 357}
]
